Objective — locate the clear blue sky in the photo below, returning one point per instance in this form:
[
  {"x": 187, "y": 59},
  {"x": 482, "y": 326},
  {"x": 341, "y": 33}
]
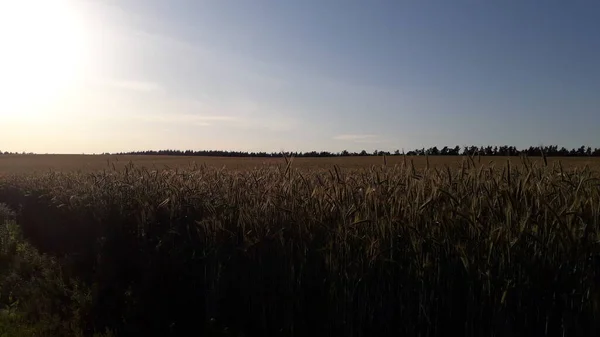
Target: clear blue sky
[{"x": 324, "y": 75}]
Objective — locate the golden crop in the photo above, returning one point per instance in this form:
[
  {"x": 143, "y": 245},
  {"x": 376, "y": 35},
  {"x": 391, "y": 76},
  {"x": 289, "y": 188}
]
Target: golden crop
[{"x": 420, "y": 250}]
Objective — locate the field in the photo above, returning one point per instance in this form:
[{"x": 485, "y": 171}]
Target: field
[
  {"x": 41, "y": 163},
  {"x": 190, "y": 246}
]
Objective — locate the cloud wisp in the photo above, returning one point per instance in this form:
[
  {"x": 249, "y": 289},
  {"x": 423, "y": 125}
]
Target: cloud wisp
[
  {"x": 198, "y": 120},
  {"x": 360, "y": 138},
  {"x": 135, "y": 85},
  {"x": 356, "y": 137}
]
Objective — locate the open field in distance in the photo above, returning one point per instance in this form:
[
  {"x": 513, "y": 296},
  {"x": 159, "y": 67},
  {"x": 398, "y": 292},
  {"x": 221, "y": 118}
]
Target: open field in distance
[{"x": 33, "y": 163}]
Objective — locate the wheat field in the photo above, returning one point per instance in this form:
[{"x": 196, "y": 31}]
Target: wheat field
[
  {"x": 300, "y": 247},
  {"x": 89, "y": 163}
]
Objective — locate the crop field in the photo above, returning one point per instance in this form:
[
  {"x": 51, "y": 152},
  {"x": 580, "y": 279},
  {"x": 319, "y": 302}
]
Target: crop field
[
  {"x": 356, "y": 246},
  {"x": 89, "y": 163}
]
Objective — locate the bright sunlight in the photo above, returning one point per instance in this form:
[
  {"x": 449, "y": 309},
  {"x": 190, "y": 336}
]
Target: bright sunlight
[{"x": 42, "y": 54}]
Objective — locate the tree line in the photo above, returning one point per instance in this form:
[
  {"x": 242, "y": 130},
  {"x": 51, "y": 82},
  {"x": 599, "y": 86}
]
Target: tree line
[{"x": 505, "y": 150}]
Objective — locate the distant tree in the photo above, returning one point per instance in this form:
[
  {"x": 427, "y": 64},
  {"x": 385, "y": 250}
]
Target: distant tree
[
  {"x": 551, "y": 151},
  {"x": 455, "y": 151},
  {"x": 563, "y": 152},
  {"x": 470, "y": 150},
  {"x": 497, "y": 150},
  {"x": 489, "y": 151},
  {"x": 433, "y": 151}
]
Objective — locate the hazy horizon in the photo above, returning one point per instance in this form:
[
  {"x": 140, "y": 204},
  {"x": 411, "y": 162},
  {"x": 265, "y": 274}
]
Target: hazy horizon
[{"x": 99, "y": 76}]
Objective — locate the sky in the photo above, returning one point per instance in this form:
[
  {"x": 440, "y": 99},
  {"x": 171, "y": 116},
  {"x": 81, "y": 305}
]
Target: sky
[{"x": 93, "y": 76}]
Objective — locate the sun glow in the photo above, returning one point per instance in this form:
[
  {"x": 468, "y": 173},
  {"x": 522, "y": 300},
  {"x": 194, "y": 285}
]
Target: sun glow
[{"x": 42, "y": 55}]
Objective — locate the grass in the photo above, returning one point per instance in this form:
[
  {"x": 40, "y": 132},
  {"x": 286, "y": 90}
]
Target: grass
[
  {"x": 35, "y": 298},
  {"x": 496, "y": 249}
]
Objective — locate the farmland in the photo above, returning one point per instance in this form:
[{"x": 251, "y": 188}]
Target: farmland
[
  {"x": 181, "y": 246},
  {"x": 89, "y": 163}
]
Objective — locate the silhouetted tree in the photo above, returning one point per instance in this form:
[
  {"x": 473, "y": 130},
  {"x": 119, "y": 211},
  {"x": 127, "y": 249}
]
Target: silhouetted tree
[
  {"x": 433, "y": 151},
  {"x": 487, "y": 150}
]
